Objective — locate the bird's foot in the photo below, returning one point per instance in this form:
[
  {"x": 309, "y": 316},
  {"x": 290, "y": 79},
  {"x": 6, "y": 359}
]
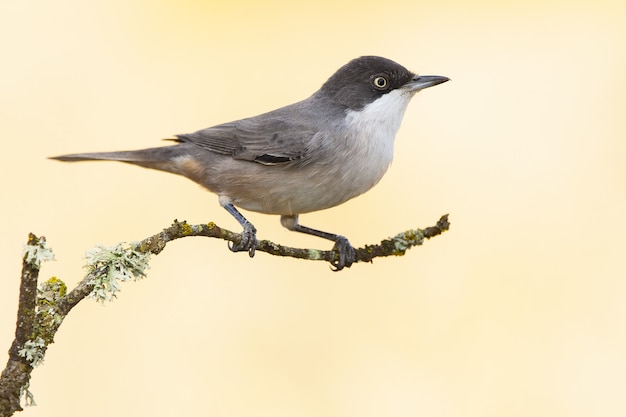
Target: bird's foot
[
  {"x": 248, "y": 240},
  {"x": 347, "y": 254}
]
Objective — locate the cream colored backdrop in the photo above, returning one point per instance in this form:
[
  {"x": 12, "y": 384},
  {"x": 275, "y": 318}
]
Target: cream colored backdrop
[{"x": 517, "y": 311}]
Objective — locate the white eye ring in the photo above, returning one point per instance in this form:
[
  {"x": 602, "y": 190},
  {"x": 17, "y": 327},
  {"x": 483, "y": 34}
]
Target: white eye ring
[{"x": 380, "y": 83}]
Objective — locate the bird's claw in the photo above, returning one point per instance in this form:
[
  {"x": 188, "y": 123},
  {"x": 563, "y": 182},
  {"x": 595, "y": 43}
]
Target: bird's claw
[
  {"x": 347, "y": 254},
  {"x": 248, "y": 240}
]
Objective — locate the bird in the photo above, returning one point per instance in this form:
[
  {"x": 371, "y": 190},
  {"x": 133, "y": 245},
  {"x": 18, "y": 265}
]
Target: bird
[{"x": 304, "y": 157}]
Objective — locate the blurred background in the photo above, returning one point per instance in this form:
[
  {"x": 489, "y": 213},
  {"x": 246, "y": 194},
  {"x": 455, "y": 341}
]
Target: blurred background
[{"x": 518, "y": 310}]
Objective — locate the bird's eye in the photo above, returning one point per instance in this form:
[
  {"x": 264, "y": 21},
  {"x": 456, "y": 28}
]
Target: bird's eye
[{"x": 380, "y": 83}]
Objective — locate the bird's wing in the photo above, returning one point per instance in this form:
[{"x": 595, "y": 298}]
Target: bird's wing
[{"x": 270, "y": 139}]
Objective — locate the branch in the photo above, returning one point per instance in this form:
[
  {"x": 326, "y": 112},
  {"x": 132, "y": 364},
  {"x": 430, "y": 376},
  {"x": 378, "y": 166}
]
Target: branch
[
  {"x": 395, "y": 246},
  {"x": 16, "y": 375},
  {"x": 42, "y": 308}
]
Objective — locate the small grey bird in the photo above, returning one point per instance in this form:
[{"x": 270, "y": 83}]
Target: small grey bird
[{"x": 307, "y": 156}]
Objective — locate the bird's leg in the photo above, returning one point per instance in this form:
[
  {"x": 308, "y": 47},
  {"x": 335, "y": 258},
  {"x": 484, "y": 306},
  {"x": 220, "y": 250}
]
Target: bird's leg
[
  {"x": 347, "y": 254},
  {"x": 248, "y": 235}
]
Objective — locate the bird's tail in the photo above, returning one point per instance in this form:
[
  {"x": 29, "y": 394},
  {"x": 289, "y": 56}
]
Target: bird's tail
[
  {"x": 124, "y": 156},
  {"x": 156, "y": 158}
]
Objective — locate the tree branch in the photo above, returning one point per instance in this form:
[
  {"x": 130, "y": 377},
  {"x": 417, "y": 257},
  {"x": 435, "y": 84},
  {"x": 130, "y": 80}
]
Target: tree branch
[
  {"x": 395, "y": 246},
  {"x": 42, "y": 308},
  {"x": 16, "y": 375}
]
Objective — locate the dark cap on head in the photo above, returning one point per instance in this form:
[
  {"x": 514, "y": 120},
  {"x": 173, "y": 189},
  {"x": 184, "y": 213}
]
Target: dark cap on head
[{"x": 363, "y": 80}]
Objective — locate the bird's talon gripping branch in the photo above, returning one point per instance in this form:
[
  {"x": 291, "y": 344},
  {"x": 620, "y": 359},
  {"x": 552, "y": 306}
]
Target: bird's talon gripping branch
[
  {"x": 248, "y": 241},
  {"x": 347, "y": 254}
]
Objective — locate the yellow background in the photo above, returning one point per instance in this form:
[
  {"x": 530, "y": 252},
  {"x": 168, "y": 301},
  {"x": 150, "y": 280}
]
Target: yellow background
[{"x": 517, "y": 311}]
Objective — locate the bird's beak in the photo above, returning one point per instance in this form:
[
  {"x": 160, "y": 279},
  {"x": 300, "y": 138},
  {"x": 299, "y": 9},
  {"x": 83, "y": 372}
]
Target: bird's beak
[{"x": 419, "y": 82}]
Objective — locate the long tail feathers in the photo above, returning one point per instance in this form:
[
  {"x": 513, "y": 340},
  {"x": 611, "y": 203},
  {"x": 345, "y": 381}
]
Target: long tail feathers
[
  {"x": 162, "y": 158},
  {"x": 126, "y": 156}
]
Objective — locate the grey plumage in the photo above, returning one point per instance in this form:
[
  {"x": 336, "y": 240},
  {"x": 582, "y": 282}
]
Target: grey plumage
[{"x": 307, "y": 156}]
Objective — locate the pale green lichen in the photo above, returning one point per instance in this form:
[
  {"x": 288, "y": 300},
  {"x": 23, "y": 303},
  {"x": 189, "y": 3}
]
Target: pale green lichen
[
  {"x": 29, "y": 398},
  {"x": 33, "y": 351},
  {"x": 37, "y": 254},
  {"x": 108, "y": 266},
  {"x": 48, "y": 295},
  {"x": 314, "y": 254},
  {"x": 50, "y": 291},
  {"x": 400, "y": 244},
  {"x": 405, "y": 240}
]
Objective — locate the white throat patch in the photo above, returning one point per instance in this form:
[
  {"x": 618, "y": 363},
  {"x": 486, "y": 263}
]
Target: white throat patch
[{"x": 378, "y": 122}]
